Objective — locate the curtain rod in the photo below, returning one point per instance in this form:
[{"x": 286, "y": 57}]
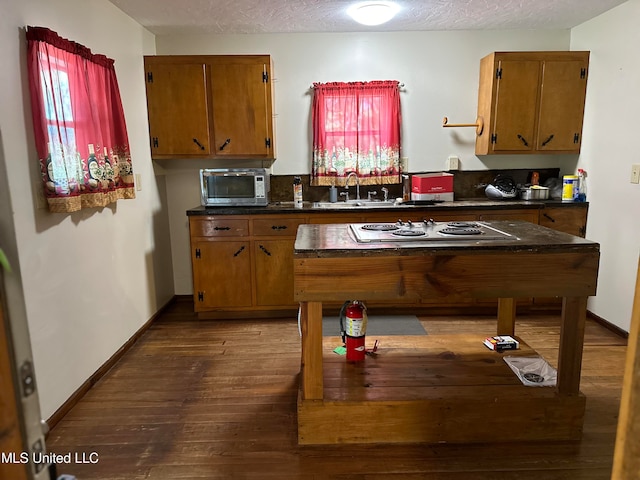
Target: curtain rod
[{"x": 400, "y": 85}]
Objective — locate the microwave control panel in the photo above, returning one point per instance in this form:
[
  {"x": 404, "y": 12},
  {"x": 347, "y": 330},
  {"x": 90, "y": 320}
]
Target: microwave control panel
[{"x": 260, "y": 190}]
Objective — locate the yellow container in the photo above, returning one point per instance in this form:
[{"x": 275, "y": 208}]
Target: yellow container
[{"x": 569, "y": 188}]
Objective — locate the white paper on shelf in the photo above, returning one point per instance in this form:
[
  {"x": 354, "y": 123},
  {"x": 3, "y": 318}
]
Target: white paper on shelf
[{"x": 532, "y": 371}]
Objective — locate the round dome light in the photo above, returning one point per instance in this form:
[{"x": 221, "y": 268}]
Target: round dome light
[{"x": 373, "y": 12}]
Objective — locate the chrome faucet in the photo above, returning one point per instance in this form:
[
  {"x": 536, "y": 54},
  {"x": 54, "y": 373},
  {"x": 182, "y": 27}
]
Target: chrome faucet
[{"x": 346, "y": 184}]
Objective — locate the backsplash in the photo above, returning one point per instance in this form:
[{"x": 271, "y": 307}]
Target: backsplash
[{"x": 466, "y": 184}]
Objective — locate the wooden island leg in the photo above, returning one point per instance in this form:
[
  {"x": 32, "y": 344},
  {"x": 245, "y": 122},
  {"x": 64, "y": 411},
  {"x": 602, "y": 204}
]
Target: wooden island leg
[
  {"x": 574, "y": 315},
  {"x": 506, "y": 316},
  {"x": 311, "y": 367}
]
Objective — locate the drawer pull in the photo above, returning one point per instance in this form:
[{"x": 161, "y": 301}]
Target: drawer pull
[
  {"x": 546, "y": 215},
  {"x": 222, "y": 228},
  {"x": 544, "y": 144},
  {"x": 195, "y": 140},
  {"x": 239, "y": 251},
  {"x": 278, "y": 227},
  {"x": 227, "y": 142},
  {"x": 523, "y": 140},
  {"x": 265, "y": 250}
]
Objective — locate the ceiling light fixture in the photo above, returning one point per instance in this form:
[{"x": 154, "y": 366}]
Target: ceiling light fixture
[{"x": 373, "y": 12}]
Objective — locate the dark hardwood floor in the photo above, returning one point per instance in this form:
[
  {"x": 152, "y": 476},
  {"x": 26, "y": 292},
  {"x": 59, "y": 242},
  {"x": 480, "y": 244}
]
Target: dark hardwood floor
[{"x": 210, "y": 399}]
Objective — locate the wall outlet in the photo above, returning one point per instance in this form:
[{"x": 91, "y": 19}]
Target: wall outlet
[
  {"x": 453, "y": 162},
  {"x": 635, "y": 173}
]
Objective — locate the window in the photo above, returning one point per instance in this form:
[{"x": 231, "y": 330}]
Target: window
[
  {"x": 356, "y": 128},
  {"x": 79, "y": 125}
]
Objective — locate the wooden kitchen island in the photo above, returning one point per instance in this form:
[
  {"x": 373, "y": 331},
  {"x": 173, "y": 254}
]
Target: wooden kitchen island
[{"x": 436, "y": 388}]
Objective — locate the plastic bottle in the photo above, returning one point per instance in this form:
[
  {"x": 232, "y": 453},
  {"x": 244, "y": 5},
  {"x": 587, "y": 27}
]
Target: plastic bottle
[
  {"x": 297, "y": 192},
  {"x": 582, "y": 186},
  {"x": 333, "y": 194},
  {"x": 406, "y": 188},
  {"x": 569, "y": 188}
]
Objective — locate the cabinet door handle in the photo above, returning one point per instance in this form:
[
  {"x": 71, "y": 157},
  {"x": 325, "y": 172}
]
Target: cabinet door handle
[
  {"x": 544, "y": 144},
  {"x": 222, "y": 228},
  {"x": 523, "y": 140},
  {"x": 195, "y": 140},
  {"x": 239, "y": 251},
  {"x": 278, "y": 227},
  {"x": 227, "y": 142},
  {"x": 265, "y": 250},
  {"x": 546, "y": 215}
]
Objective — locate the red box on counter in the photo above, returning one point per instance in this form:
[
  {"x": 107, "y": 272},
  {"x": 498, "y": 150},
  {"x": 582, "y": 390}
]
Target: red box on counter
[{"x": 432, "y": 186}]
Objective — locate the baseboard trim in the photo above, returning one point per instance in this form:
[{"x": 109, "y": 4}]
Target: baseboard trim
[
  {"x": 93, "y": 379},
  {"x": 608, "y": 325}
]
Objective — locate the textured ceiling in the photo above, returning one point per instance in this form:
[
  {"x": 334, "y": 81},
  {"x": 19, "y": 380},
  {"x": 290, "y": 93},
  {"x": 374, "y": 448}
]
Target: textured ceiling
[{"x": 164, "y": 17}]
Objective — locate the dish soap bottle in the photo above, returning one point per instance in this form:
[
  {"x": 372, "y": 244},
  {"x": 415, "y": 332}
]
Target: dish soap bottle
[
  {"x": 582, "y": 186},
  {"x": 297, "y": 192}
]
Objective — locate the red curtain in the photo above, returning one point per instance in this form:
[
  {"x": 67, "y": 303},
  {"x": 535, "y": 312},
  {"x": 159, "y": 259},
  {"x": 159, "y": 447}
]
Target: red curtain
[
  {"x": 356, "y": 128},
  {"x": 80, "y": 131}
]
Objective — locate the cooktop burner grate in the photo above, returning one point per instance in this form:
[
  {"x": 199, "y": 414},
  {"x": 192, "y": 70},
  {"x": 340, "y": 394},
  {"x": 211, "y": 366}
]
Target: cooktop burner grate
[
  {"x": 380, "y": 227},
  {"x": 460, "y": 231},
  {"x": 462, "y": 224},
  {"x": 408, "y": 233}
]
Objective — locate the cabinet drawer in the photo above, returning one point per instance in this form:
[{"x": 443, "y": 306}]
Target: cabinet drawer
[
  {"x": 284, "y": 227},
  {"x": 525, "y": 215},
  {"x": 572, "y": 220},
  {"x": 218, "y": 227}
]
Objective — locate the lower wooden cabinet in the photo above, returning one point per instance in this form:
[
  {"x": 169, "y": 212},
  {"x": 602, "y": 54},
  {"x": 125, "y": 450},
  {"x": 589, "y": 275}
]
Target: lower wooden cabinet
[
  {"x": 221, "y": 273},
  {"x": 572, "y": 220},
  {"x": 274, "y": 272},
  {"x": 243, "y": 264}
]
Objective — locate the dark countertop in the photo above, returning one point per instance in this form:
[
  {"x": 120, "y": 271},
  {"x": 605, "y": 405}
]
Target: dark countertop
[
  {"x": 336, "y": 240},
  {"x": 287, "y": 207}
]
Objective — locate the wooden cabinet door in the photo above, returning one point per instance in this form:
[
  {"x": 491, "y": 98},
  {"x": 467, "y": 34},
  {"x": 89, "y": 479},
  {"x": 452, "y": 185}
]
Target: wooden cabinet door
[
  {"x": 572, "y": 220},
  {"x": 531, "y": 102},
  {"x": 178, "y": 108},
  {"x": 222, "y": 274},
  {"x": 241, "y": 109},
  {"x": 274, "y": 272},
  {"x": 11, "y": 436},
  {"x": 515, "y": 105},
  {"x": 562, "y": 97}
]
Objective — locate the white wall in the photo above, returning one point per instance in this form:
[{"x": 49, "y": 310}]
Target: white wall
[
  {"x": 609, "y": 148},
  {"x": 440, "y": 72},
  {"x": 93, "y": 278}
]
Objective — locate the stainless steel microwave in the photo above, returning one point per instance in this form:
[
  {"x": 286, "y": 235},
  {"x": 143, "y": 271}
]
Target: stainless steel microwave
[{"x": 234, "y": 186}]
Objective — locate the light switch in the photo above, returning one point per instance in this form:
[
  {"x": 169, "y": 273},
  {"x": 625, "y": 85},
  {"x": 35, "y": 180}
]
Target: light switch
[
  {"x": 138, "y": 182},
  {"x": 635, "y": 173}
]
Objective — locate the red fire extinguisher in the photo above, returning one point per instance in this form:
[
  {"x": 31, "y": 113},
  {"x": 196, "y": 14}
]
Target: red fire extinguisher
[{"x": 354, "y": 329}]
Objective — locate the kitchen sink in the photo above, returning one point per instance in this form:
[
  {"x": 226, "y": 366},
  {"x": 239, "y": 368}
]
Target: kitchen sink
[{"x": 355, "y": 204}]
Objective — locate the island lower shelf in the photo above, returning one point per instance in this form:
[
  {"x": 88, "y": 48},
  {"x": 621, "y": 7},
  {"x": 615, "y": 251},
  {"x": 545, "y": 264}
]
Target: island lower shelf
[{"x": 433, "y": 389}]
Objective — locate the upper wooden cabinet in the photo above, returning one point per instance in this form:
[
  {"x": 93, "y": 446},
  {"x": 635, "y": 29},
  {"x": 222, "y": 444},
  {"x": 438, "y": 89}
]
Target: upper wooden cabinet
[
  {"x": 210, "y": 106},
  {"x": 532, "y": 102}
]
